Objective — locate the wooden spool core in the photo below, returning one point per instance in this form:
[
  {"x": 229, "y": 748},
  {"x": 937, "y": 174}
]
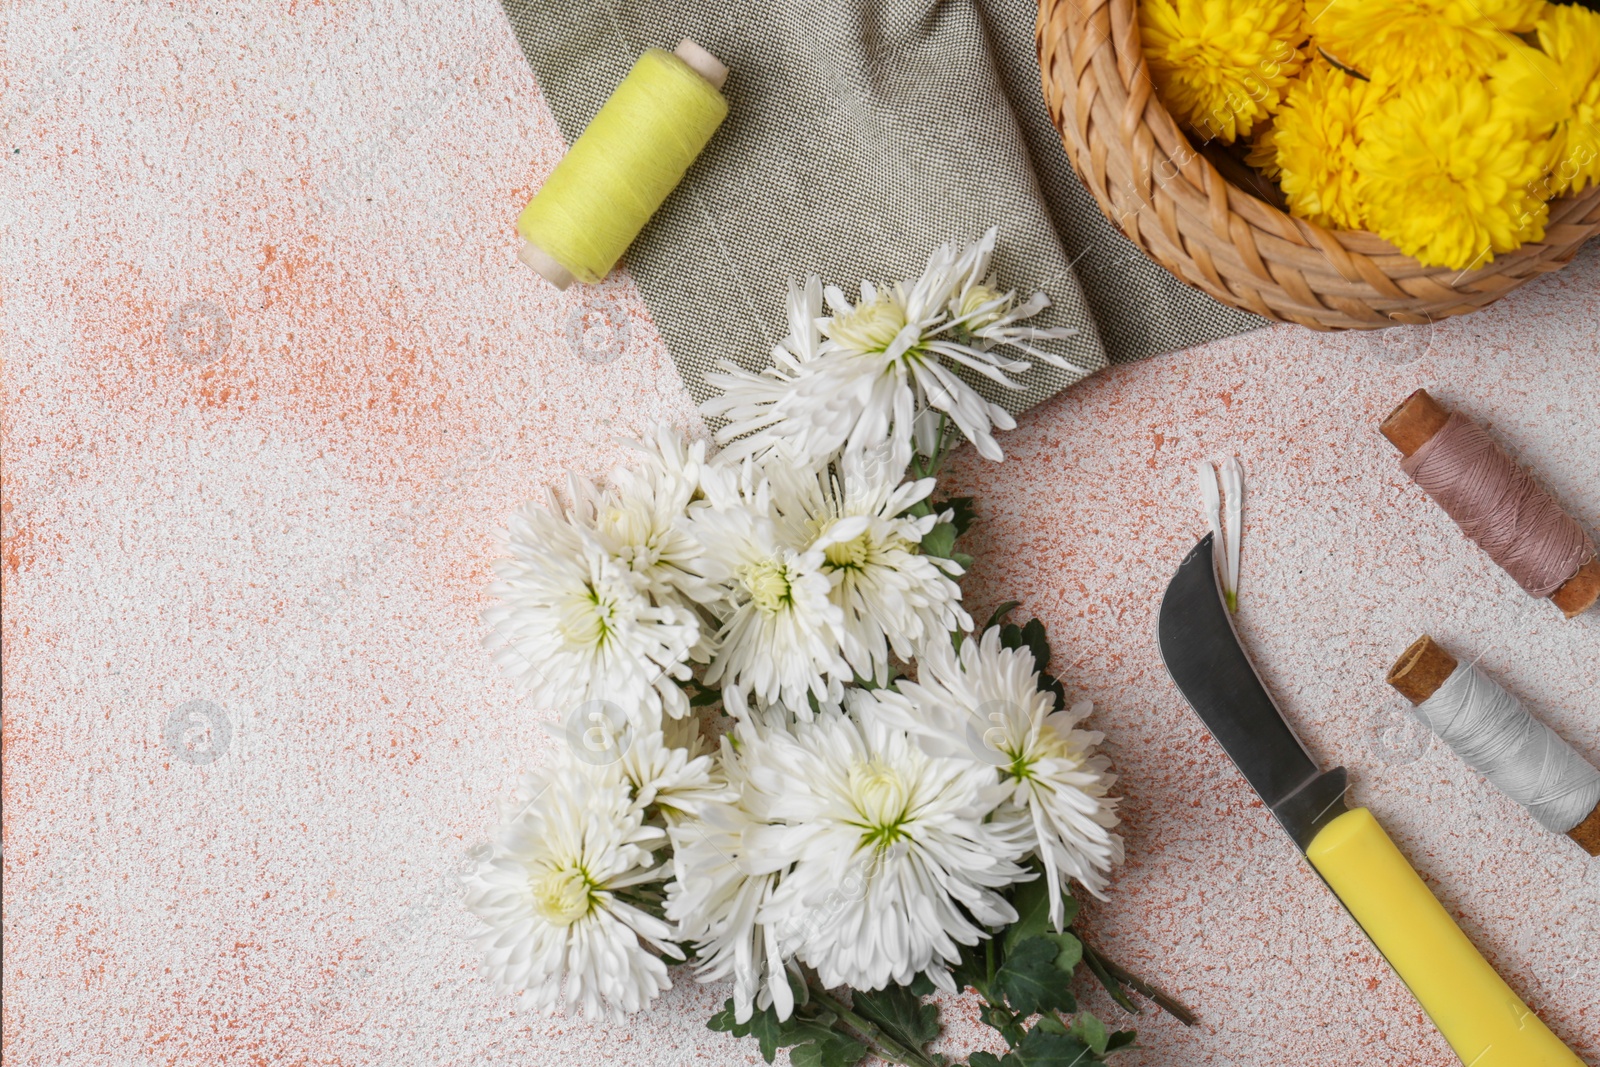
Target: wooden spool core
[
  {"x": 1419, "y": 672},
  {"x": 1580, "y": 592},
  {"x": 1421, "y": 669},
  {"x": 1587, "y": 832},
  {"x": 1413, "y": 424}
]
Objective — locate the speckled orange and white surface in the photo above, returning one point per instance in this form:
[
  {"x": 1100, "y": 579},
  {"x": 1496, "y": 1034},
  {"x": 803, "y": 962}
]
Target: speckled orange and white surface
[{"x": 272, "y": 374}]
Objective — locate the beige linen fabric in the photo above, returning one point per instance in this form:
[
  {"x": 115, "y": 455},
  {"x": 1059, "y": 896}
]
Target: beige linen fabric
[{"x": 860, "y": 135}]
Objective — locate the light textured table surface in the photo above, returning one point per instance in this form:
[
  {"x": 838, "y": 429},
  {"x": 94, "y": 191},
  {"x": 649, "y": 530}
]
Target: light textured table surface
[{"x": 272, "y": 375}]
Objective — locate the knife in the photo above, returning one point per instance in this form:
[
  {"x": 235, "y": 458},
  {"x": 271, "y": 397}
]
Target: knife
[{"x": 1483, "y": 1020}]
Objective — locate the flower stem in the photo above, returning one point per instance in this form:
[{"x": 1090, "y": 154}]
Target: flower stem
[
  {"x": 1106, "y": 968},
  {"x": 884, "y": 1045},
  {"x": 943, "y": 448}
]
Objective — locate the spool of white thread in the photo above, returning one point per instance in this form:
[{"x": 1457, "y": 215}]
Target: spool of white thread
[{"x": 1525, "y": 759}]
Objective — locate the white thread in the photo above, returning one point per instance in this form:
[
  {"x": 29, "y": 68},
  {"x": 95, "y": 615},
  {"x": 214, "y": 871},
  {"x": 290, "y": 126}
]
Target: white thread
[{"x": 1525, "y": 759}]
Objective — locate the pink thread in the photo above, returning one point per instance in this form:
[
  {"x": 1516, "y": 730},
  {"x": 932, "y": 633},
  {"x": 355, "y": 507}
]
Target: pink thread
[{"x": 1499, "y": 505}]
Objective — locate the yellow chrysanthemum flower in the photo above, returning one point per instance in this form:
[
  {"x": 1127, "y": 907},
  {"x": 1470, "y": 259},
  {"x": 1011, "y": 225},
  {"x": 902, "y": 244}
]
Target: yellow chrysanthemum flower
[
  {"x": 1563, "y": 89},
  {"x": 1311, "y": 146},
  {"x": 1221, "y": 66},
  {"x": 1263, "y": 153},
  {"x": 1529, "y": 86},
  {"x": 1449, "y": 179},
  {"x": 1398, "y": 41}
]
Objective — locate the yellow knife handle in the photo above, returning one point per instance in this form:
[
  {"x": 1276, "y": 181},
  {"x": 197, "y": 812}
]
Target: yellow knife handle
[{"x": 1485, "y": 1022}]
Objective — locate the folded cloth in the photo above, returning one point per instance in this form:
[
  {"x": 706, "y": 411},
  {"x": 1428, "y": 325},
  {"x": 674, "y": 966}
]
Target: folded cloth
[{"x": 860, "y": 135}]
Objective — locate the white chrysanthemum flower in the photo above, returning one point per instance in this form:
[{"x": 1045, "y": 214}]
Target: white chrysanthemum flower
[
  {"x": 642, "y": 519},
  {"x": 984, "y": 705},
  {"x": 892, "y": 596},
  {"x": 990, "y": 316},
  {"x": 886, "y": 358},
  {"x": 575, "y": 624},
  {"x": 751, "y": 402},
  {"x": 671, "y": 770},
  {"x": 890, "y": 861},
  {"x": 780, "y": 634},
  {"x": 716, "y": 897},
  {"x": 553, "y": 896}
]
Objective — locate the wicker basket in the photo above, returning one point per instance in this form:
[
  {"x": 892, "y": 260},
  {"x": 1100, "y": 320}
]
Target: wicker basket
[{"x": 1171, "y": 200}]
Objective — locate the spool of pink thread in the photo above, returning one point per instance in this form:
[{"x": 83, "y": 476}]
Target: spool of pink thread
[{"x": 1495, "y": 502}]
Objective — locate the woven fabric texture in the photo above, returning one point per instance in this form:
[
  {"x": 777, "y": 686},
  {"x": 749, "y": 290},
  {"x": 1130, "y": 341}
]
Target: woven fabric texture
[{"x": 861, "y": 135}]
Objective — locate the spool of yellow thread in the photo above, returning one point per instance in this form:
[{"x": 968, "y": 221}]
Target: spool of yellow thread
[{"x": 620, "y": 171}]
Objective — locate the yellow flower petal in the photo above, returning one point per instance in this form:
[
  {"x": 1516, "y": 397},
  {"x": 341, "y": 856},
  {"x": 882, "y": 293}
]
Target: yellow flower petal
[
  {"x": 1398, "y": 41},
  {"x": 1221, "y": 66},
  {"x": 1313, "y": 144},
  {"x": 1570, "y": 36},
  {"x": 1446, "y": 179}
]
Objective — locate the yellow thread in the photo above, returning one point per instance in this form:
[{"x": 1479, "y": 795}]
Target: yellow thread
[{"x": 621, "y": 169}]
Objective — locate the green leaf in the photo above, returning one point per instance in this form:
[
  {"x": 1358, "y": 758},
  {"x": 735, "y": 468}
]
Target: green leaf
[
  {"x": 768, "y": 1032},
  {"x": 1091, "y": 1032},
  {"x": 973, "y": 969},
  {"x": 1008, "y": 1023},
  {"x": 1121, "y": 1039},
  {"x": 763, "y": 1025},
  {"x": 815, "y": 1042},
  {"x": 1010, "y": 636},
  {"x": 823, "y": 1046},
  {"x": 1032, "y": 901},
  {"x": 1071, "y": 951},
  {"x": 723, "y": 1021},
  {"x": 1030, "y": 981},
  {"x": 1049, "y": 683},
  {"x": 1041, "y": 1048},
  {"x": 966, "y": 512},
  {"x": 1033, "y": 636},
  {"x": 963, "y": 560},
  {"x": 901, "y": 1014},
  {"x": 1000, "y": 613},
  {"x": 939, "y": 541}
]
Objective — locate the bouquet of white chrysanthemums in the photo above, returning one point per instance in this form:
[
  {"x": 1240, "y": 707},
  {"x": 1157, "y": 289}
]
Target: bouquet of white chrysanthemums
[{"x": 789, "y": 757}]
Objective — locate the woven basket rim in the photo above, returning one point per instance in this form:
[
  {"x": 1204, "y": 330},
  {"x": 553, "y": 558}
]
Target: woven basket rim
[{"x": 1118, "y": 134}]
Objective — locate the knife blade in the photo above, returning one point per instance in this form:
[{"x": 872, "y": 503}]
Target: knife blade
[
  {"x": 1203, "y": 654},
  {"x": 1486, "y": 1023}
]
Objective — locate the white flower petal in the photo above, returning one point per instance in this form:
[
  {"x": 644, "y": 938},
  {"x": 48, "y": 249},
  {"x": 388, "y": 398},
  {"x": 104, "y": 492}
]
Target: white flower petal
[
  {"x": 887, "y": 853},
  {"x": 984, "y": 703},
  {"x": 780, "y": 631},
  {"x": 547, "y": 895},
  {"x": 576, "y": 625},
  {"x": 863, "y": 374}
]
